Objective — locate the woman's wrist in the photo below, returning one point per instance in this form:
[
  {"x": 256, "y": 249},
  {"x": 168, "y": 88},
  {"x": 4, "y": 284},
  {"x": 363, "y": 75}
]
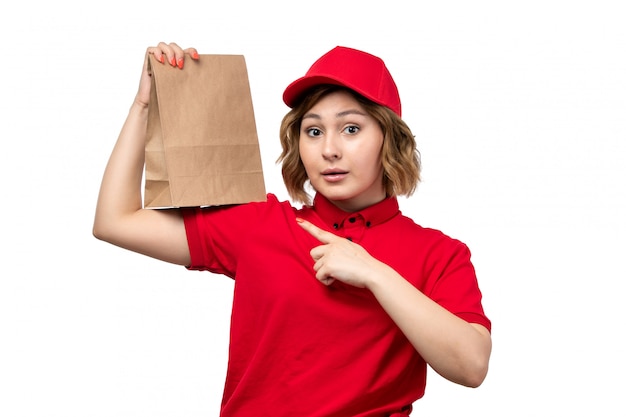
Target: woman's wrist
[{"x": 139, "y": 104}]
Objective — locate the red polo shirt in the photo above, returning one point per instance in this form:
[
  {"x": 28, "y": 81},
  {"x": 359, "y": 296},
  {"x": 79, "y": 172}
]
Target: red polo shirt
[{"x": 300, "y": 348}]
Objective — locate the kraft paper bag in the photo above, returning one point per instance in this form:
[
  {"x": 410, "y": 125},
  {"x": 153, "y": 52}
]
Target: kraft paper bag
[{"x": 201, "y": 147}]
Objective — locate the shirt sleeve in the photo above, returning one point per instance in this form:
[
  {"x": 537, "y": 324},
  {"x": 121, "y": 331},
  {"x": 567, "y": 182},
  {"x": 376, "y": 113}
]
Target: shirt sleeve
[
  {"x": 217, "y": 235},
  {"x": 455, "y": 286}
]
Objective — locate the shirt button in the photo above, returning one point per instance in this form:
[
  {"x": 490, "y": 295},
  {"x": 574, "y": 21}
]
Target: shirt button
[
  {"x": 335, "y": 226},
  {"x": 349, "y": 238},
  {"x": 351, "y": 219},
  {"x": 368, "y": 223}
]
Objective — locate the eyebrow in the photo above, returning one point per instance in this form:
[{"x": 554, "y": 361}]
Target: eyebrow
[{"x": 340, "y": 114}]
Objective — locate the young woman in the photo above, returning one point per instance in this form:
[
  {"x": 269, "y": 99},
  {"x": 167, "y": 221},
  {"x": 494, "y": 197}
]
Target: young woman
[{"x": 339, "y": 305}]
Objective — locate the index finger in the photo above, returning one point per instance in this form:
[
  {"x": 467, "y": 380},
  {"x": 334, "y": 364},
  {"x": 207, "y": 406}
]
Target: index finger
[{"x": 319, "y": 234}]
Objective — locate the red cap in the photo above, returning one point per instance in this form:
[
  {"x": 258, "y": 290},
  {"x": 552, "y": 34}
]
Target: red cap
[{"x": 359, "y": 71}]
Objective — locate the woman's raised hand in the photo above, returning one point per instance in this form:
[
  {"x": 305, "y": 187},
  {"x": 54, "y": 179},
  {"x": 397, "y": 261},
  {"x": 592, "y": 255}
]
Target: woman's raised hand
[{"x": 167, "y": 54}]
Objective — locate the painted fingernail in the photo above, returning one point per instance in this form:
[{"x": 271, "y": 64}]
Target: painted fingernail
[
  {"x": 173, "y": 62},
  {"x": 181, "y": 63},
  {"x": 299, "y": 219},
  {"x": 162, "y": 59},
  {"x": 195, "y": 55}
]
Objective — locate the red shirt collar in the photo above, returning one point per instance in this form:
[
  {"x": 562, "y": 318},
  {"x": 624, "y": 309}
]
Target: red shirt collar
[{"x": 372, "y": 215}]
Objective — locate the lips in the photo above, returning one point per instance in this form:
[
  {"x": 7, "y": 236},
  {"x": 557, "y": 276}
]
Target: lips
[{"x": 334, "y": 175}]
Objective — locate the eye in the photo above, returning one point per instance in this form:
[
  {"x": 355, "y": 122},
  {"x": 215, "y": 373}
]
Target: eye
[
  {"x": 313, "y": 132},
  {"x": 351, "y": 130}
]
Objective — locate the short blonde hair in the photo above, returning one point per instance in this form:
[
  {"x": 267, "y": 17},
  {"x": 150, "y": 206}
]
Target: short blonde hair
[{"x": 400, "y": 157}]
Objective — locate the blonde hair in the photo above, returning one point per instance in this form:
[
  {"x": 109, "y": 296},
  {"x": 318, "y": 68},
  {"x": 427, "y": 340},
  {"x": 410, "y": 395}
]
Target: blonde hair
[{"x": 400, "y": 157}]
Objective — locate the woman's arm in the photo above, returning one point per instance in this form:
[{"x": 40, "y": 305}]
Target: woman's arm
[
  {"x": 120, "y": 218},
  {"x": 457, "y": 350}
]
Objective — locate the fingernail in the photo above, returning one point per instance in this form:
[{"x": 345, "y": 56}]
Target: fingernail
[
  {"x": 299, "y": 219},
  {"x": 195, "y": 55},
  {"x": 181, "y": 63},
  {"x": 173, "y": 62},
  {"x": 162, "y": 59}
]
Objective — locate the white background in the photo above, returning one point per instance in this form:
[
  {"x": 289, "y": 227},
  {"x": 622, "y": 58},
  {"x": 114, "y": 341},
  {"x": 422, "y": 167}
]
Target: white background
[{"x": 519, "y": 112}]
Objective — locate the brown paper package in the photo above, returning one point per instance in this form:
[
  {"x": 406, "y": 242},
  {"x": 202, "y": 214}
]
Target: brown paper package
[{"x": 202, "y": 147}]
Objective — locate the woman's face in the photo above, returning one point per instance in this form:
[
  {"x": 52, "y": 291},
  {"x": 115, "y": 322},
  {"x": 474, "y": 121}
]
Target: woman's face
[{"x": 340, "y": 147}]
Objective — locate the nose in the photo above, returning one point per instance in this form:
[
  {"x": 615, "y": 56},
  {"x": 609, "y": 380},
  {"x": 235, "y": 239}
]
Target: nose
[{"x": 331, "y": 149}]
